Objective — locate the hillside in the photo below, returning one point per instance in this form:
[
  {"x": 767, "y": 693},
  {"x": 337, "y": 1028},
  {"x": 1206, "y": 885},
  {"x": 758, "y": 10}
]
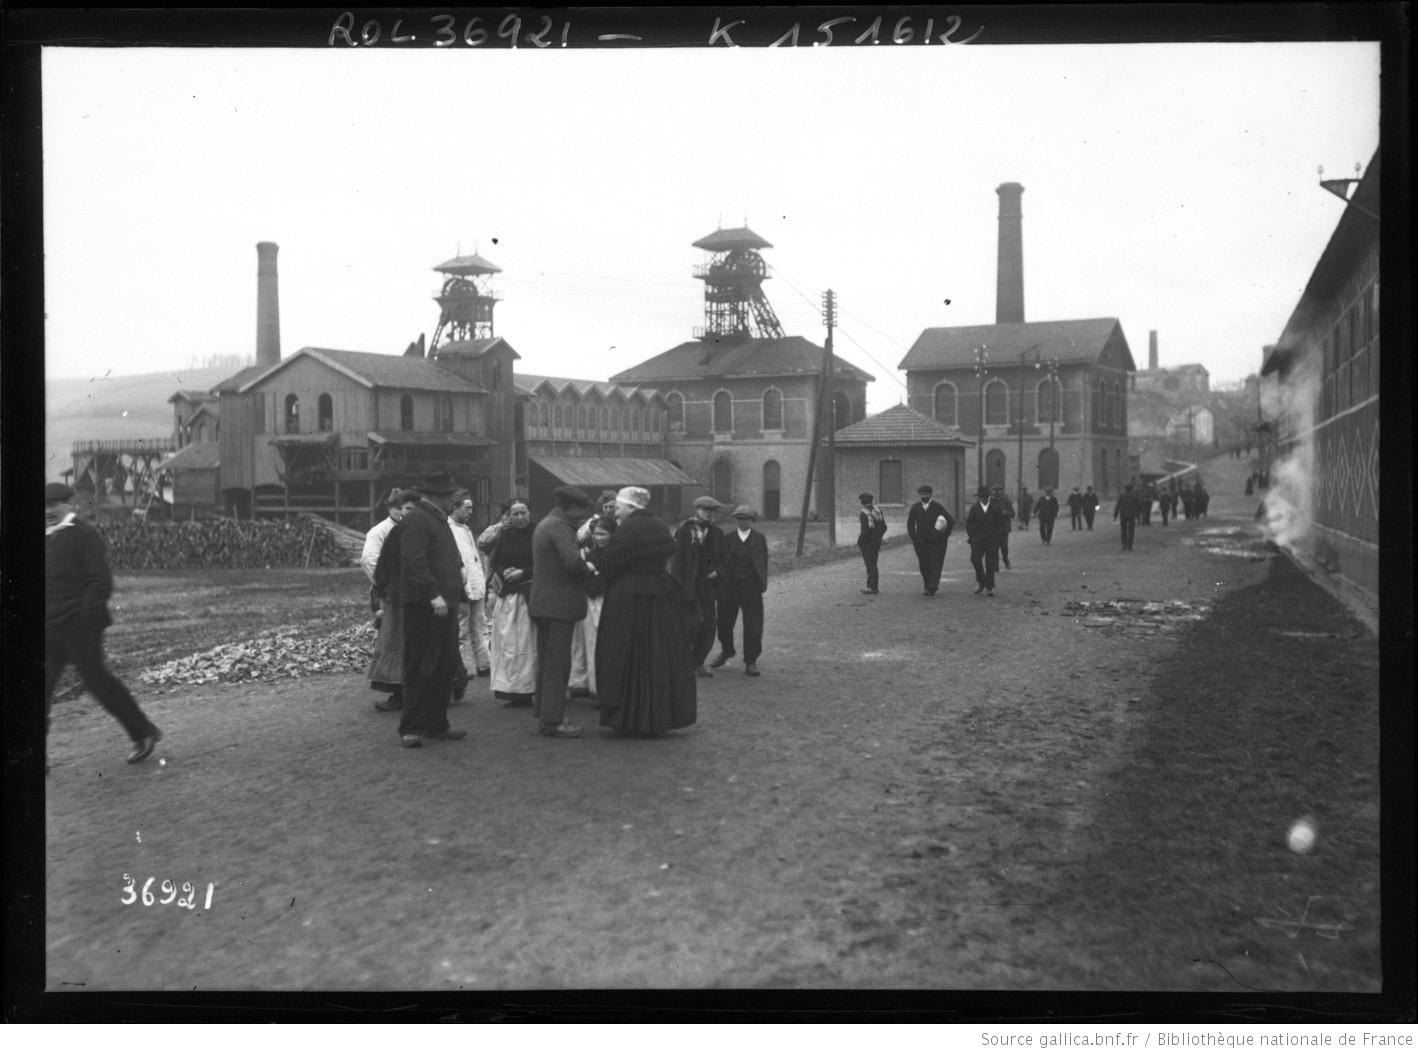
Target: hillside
[{"x": 132, "y": 407}]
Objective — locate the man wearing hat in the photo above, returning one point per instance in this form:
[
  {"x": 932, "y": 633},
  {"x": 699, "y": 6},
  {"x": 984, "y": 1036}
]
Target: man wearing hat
[
  {"x": 929, "y": 525},
  {"x": 77, "y": 585},
  {"x": 432, "y": 581},
  {"x": 1006, "y": 512},
  {"x": 984, "y": 526},
  {"x": 557, "y": 603},
  {"x": 698, "y": 550},
  {"x": 873, "y": 529},
  {"x": 743, "y": 580}
]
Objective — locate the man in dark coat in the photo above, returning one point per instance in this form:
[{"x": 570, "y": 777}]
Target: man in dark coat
[
  {"x": 1090, "y": 505},
  {"x": 1075, "y": 509},
  {"x": 77, "y": 585},
  {"x": 557, "y": 603},
  {"x": 742, "y": 582},
  {"x": 873, "y": 529},
  {"x": 1048, "y": 511},
  {"x": 929, "y": 536},
  {"x": 1126, "y": 510},
  {"x": 431, "y": 574},
  {"x": 698, "y": 553},
  {"x": 1006, "y": 511},
  {"x": 984, "y": 527},
  {"x": 1026, "y": 506}
]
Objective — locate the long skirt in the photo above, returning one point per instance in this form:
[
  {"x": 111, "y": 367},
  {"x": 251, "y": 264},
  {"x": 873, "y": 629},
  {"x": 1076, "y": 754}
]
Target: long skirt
[
  {"x": 645, "y": 682},
  {"x": 386, "y": 666},
  {"x": 583, "y": 647},
  {"x": 514, "y": 647}
]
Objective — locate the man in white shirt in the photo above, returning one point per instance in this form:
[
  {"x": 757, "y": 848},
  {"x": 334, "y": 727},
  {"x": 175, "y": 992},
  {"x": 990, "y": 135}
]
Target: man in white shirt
[{"x": 472, "y": 643}]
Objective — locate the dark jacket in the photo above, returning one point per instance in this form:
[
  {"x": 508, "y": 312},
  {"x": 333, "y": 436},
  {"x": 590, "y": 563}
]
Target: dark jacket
[
  {"x": 1047, "y": 508},
  {"x": 1027, "y": 506},
  {"x": 873, "y": 526},
  {"x": 558, "y": 581},
  {"x": 430, "y": 562},
  {"x": 641, "y": 545},
  {"x": 694, "y": 562},
  {"x": 1006, "y": 511},
  {"x": 1129, "y": 506},
  {"x": 77, "y": 578},
  {"x": 1090, "y": 500},
  {"x": 513, "y": 548},
  {"x": 921, "y": 520},
  {"x": 757, "y": 546},
  {"x": 1075, "y": 501},
  {"x": 985, "y": 525}
]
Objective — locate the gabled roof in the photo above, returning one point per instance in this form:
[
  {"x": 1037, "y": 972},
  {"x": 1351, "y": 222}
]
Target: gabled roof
[
  {"x": 608, "y": 471},
  {"x": 529, "y": 383},
  {"x": 192, "y": 395},
  {"x": 192, "y": 456},
  {"x": 471, "y": 349},
  {"x": 211, "y": 409},
  {"x": 237, "y": 381},
  {"x": 374, "y": 370},
  {"x": 900, "y": 426},
  {"x": 735, "y": 238},
  {"x": 949, "y": 347},
  {"x": 718, "y": 359}
]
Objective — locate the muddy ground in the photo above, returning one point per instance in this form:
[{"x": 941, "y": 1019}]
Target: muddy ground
[{"x": 959, "y": 792}]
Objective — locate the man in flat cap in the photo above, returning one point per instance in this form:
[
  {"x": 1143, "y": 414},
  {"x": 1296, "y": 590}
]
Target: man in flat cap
[
  {"x": 699, "y": 549},
  {"x": 77, "y": 585},
  {"x": 431, "y": 578},
  {"x": 873, "y": 529},
  {"x": 557, "y": 603},
  {"x": 743, "y": 579},
  {"x": 984, "y": 526},
  {"x": 929, "y": 525}
]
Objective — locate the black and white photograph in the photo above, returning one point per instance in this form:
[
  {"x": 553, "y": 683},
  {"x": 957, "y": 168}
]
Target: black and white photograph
[{"x": 755, "y": 499}]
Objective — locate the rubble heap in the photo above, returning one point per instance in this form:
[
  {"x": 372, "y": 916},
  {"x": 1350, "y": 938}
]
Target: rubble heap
[
  {"x": 1137, "y": 617},
  {"x": 285, "y": 652}
]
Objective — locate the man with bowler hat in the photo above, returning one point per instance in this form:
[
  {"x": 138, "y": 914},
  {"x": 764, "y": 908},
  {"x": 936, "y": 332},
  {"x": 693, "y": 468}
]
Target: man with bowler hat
[
  {"x": 77, "y": 585},
  {"x": 743, "y": 580},
  {"x": 1075, "y": 510},
  {"x": 699, "y": 549},
  {"x": 1047, "y": 510},
  {"x": 1090, "y": 506},
  {"x": 558, "y": 602},
  {"x": 873, "y": 529},
  {"x": 984, "y": 526},
  {"x": 929, "y": 525},
  {"x": 431, "y": 572}
]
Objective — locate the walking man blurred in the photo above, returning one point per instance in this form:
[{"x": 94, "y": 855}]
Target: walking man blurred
[
  {"x": 1075, "y": 510},
  {"x": 929, "y": 526},
  {"x": 1006, "y": 511},
  {"x": 77, "y": 585},
  {"x": 873, "y": 529},
  {"x": 699, "y": 549},
  {"x": 1090, "y": 505},
  {"x": 1026, "y": 506},
  {"x": 1048, "y": 511},
  {"x": 1127, "y": 509},
  {"x": 983, "y": 530}
]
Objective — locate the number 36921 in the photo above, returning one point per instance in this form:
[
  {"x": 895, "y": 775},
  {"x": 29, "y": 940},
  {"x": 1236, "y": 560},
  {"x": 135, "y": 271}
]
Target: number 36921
[{"x": 168, "y": 891}]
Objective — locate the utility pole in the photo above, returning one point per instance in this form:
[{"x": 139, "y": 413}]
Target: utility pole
[
  {"x": 817, "y": 424},
  {"x": 981, "y": 359},
  {"x": 1019, "y": 485},
  {"x": 1055, "y": 412},
  {"x": 829, "y": 319}
]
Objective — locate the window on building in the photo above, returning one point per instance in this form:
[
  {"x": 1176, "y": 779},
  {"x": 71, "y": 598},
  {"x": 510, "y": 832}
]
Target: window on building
[
  {"x": 995, "y": 468},
  {"x": 615, "y": 420},
  {"x": 944, "y": 408},
  {"x": 1100, "y": 405},
  {"x": 354, "y": 460},
  {"x": 496, "y": 375},
  {"x": 1049, "y": 401},
  {"x": 841, "y": 411},
  {"x": 325, "y": 412},
  {"x": 891, "y": 486},
  {"x": 772, "y": 490},
  {"x": 723, "y": 412},
  {"x": 722, "y": 480},
  {"x": 773, "y": 409},
  {"x": 202, "y": 433},
  {"x": 674, "y": 411},
  {"x": 635, "y": 422},
  {"x": 1118, "y": 405},
  {"x": 581, "y": 419},
  {"x": 292, "y": 415},
  {"x": 996, "y": 403},
  {"x": 406, "y": 413},
  {"x": 445, "y": 414}
]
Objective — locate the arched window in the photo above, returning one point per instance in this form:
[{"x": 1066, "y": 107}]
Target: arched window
[
  {"x": 944, "y": 409},
  {"x": 325, "y": 412},
  {"x": 722, "y": 480},
  {"x": 1100, "y": 405},
  {"x": 841, "y": 411},
  {"x": 545, "y": 413},
  {"x": 996, "y": 403},
  {"x": 556, "y": 416},
  {"x": 1118, "y": 412},
  {"x": 674, "y": 410},
  {"x": 202, "y": 432},
  {"x": 723, "y": 413},
  {"x": 1048, "y": 401},
  {"x": 292, "y": 415},
  {"x": 772, "y": 490},
  {"x": 634, "y": 422},
  {"x": 445, "y": 414},
  {"x": 605, "y": 419},
  {"x": 581, "y": 419},
  {"x": 615, "y": 420},
  {"x": 773, "y": 409},
  {"x": 406, "y": 413},
  {"x": 994, "y": 468}
]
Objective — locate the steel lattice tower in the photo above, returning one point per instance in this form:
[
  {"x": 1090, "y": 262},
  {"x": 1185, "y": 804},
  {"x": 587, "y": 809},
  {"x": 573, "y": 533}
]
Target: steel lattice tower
[
  {"x": 734, "y": 303},
  {"x": 466, "y": 300}
]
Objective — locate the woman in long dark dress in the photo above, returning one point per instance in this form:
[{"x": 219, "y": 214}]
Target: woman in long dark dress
[
  {"x": 514, "y": 642},
  {"x": 644, "y": 681}
]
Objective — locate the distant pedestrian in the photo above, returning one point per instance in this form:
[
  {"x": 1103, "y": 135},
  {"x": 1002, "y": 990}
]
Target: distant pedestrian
[
  {"x": 1006, "y": 510},
  {"x": 983, "y": 530},
  {"x": 386, "y": 665},
  {"x": 1048, "y": 510},
  {"x": 514, "y": 641},
  {"x": 644, "y": 681},
  {"x": 1090, "y": 505},
  {"x": 77, "y": 584},
  {"x": 557, "y": 604},
  {"x": 1164, "y": 504},
  {"x": 1026, "y": 506},
  {"x": 929, "y": 525},
  {"x": 1146, "y": 495},
  {"x": 432, "y": 582},
  {"x": 1188, "y": 502},
  {"x": 1126, "y": 510},
  {"x": 583, "y": 642},
  {"x": 873, "y": 529},
  {"x": 472, "y": 642},
  {"x": 1075, "y": 510},
  {"x": 1203, "y": 499},
  {"x": 743, "y": 581},
  {"x": 699, "y": 550}
]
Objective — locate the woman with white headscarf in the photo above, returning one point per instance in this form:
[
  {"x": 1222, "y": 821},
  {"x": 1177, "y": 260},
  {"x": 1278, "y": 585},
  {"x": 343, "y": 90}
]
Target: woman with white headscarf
[
  {"x": 644, "y": 681},
  {"x": 514, "y": 640}
]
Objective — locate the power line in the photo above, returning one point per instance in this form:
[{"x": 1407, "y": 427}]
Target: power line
[{"x": 890, "y": 372}]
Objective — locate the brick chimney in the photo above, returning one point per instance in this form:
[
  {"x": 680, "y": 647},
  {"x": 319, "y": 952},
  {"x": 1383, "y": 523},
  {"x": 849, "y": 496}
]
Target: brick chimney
[
  {"x": 268, "y": 306},
  {"x": 1152, "y": 349},
  {"x": 1009, "y": 291}
]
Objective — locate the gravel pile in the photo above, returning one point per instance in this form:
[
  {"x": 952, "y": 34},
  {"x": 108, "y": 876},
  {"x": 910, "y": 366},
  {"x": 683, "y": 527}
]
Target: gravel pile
[{"x": 286, "y": 652}]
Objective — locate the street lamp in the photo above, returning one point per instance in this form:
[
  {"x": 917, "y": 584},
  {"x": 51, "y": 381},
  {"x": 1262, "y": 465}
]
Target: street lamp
[
  {"x": 1019, "y": 483},
  {"x": 1055, "y": 405},
  {"x": 981, "y": 359}
]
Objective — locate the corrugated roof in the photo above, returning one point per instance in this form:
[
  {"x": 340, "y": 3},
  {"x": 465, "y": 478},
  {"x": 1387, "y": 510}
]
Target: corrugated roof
[
  {"x": 900, "y": 426},
  {"x": 614, "y": 471},
  {"x": 734, "y": 238},
  {"x": 377, "y": 371},
  {"x": 528, "y": 383},
  {"x": 471, "y": 349},
  {"x": 750, "y": 357},
  {"x": 192, "y": 456},
  {"x": 944, "y": 347}
]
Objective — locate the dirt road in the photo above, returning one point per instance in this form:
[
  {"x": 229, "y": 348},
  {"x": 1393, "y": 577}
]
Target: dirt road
[{"x": 897, "y": 802}]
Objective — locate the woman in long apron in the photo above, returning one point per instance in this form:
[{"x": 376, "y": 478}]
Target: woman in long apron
[
  {"x": 583, "y": 639},
  {"x": 514, "y": 639},
  {"x": 386, "y": 665}
]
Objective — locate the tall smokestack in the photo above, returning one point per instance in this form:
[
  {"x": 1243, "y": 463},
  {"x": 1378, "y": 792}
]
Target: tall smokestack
[
  {"x": 268, "y": 306},
  {"x": 1152, "y": 349},
  {"x": 1009, "y": 292}
]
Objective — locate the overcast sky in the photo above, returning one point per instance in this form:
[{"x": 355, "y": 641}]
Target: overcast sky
[{"x": 1171, "y": 186}]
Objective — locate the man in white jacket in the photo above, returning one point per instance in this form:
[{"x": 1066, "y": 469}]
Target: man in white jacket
[{"x": 472, "y": 623}]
